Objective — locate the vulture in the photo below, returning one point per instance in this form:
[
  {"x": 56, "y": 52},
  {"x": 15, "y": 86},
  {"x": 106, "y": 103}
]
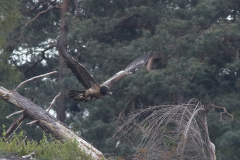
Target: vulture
[{"x": 93, "y": 90}]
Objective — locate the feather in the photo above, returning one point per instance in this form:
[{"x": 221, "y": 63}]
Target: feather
[
  {"x": 131, "y": 68},
  {"x": 77, "y": 69}
]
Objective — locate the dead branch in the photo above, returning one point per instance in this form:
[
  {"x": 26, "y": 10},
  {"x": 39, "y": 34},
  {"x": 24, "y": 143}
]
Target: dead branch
[
  {"x": 24, "y": 139},
  {"x": 171, "y": 131},
  {"x": 43, "y": 75},
  {"x": 29, "y": 155},
  {"x": 53, "y": 101},
  {"x": 211, "y": 146},
  {"x": 71, "y": 124},
  {"x": 221, "y": 113},
  {"x": 30, "y": 123},
  {"x": 14, "y": 113},
  {"x": 46, "y": 121},
  {"x": 15, "y": 125},
  {"x": 38, "y": 61},
  {"x": 40, "y": 14},
  {"x": 14, "y": 130},
  {"x": 182, "y": 143}
]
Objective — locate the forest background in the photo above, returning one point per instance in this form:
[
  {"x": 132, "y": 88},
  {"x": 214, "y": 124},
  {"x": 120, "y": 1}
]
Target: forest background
[{"x": 195, "y": 54}]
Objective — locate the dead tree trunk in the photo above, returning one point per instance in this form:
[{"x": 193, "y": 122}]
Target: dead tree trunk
[{"x": 43, "y": 119}]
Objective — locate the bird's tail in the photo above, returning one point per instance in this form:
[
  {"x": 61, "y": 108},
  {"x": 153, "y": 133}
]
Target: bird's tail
[{"x": 76, "y": 95}]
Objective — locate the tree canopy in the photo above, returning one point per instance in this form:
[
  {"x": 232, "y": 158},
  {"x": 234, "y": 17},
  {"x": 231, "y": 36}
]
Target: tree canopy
[{"x": 195, "y": 54}]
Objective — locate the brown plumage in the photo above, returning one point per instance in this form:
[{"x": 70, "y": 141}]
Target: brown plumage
[{"x": 93, "y": 90}]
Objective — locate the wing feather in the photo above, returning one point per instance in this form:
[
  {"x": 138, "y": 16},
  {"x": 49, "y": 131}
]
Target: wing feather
[
  {"x": 131, "y": 68},
  {"x": 77, "y": 68}
]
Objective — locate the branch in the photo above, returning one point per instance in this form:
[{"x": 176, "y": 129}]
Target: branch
[
  {"x": 224, "y": 111},
  {"x": 41, "y": 13},
  {"x": 47, "y": 122},
  {"x": 38, "y": 61},
  {"x": 29, "y": 155},
  {"x": 43, "y": 75},
  {"x": 15, "y": 130},
  {"x": 182, "y": 143},
  {"x": 211, "y": 146},
  {"x": 53, "y": 101},
  {"x": 30, "y": 123},
  {"x": 36, "y": 6},
  {"x": 14, "y": 113},
  {"x": 15, "y": 125}
]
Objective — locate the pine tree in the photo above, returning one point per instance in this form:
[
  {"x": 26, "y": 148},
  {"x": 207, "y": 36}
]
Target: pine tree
[
  {"x": 9, "y": 76},
  {"x": 194, "y": 55}
]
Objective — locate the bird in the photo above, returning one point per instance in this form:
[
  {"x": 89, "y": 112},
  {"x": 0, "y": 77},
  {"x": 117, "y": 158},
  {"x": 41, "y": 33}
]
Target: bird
[{"x": 93, "y": 90}]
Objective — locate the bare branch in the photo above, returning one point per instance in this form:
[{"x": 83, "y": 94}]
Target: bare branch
[
  {"x": 24, "y": 139},
  {"x": 38, "y": 61},
  {"x": 53, "y": 101},
  {"x": 15, "y": 125},
  {"x": 30, "y": 123},
  {"x": 182, "y": 143},
  {"x": 15, "y": 113},
  {"x": 36, "y": 6},
  {"x": 171, "y": 131},
  {"x": 71, "y": 125},
  {"x": 221, "y": 113},
  {"x": 47, "y": 122},
  {"x": 14, "y": 130},
  {"x": 43, "y": 75},
  {"x": 29, "y": 155},
  {"x": 211, "y": 146},
  {"x": 40, "y": 14}
]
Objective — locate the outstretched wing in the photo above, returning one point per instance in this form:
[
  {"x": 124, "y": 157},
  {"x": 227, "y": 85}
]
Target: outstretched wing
[
  {"x": 77, "y": 68},
  {"x": 131, "y": 68}
]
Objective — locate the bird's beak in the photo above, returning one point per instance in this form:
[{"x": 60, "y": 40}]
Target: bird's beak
[{"x": 110, "y": 92}]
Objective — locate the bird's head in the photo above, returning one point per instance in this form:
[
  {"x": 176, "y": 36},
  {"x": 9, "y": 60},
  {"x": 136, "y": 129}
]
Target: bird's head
[{"x": 105, "y": 90}]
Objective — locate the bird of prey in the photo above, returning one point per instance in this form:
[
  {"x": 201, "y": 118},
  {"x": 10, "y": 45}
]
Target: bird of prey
[{"x": 93, "y": 90}]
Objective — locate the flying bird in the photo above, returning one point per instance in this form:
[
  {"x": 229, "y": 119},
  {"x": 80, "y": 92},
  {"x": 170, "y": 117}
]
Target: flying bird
[{"x": 93, "y": 90}]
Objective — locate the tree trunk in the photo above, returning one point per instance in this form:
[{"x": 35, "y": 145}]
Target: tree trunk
[
  {"x": 61, "y": 74},
  {"x": 46, "y": 121}
]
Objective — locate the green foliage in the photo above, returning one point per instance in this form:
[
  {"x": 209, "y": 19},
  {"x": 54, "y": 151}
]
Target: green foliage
[
  {"x": 46, "y": 149},
  {"x": 197, "y": 49},
  {"x": 9, "y": 14}
]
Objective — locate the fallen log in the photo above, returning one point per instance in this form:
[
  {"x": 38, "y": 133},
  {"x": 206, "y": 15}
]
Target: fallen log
[{"x": 43, "y": 119}]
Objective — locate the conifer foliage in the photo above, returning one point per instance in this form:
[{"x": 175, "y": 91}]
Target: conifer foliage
[{"x": 195, "y": 54}]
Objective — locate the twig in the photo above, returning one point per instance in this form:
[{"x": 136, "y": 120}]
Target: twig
[
  {"x": 224, "y": 111},
  {"x": 30, "y": 123},
  {"x": 14, "y": 125},
  {"x": 43, "y": 75},
  {"x": 24, "y": 139},
  {"x": 71, "y": 125},
  {"x": 43, "y": 57},
  {"x": 40, "y": 14},
  {"x": 15, "y": 130},
  {"x": 182, "y": 143},
  {"x": 36, "y": 6},
  {"x": 29, "y": 155},
  {"x": 53, "y": 101},
  {"x": 15, "y": 113}
]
